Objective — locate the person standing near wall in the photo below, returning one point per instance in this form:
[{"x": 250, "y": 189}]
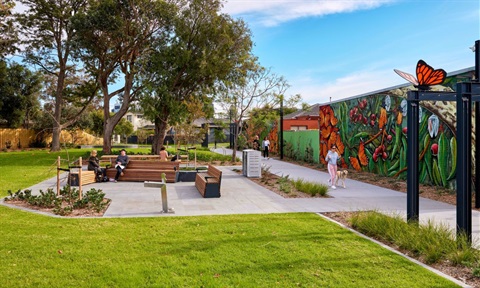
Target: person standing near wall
[
  {"x": 265, "y": 146},
  {"x": 332, "y": 158}
]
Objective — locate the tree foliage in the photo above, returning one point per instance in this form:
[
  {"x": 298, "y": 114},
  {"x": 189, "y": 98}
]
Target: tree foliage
[
  {"x": 203, "y": 48},
  {"x": 112, "y": 36},
  {"x": 47, "y": 36},
  {"x": 9, "y": 37},
  {"x": 255, "y": 86},
  {"x": 18, "y": 94}
]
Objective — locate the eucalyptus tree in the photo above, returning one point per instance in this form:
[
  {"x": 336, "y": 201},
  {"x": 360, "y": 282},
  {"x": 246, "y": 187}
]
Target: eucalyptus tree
[
  {"x": 7, "y": 28},
  {"x": 203, "y": 48},
  {"x": 254, "y": 86},
  {"x": 47, "y": 36},
  {"x": 112, "y": 37}
]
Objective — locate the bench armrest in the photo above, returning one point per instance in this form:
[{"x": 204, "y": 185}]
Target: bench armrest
[{"x": 208, "y": 177}]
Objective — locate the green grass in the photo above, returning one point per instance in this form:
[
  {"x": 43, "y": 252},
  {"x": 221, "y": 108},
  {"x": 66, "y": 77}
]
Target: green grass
[
  {"x": 274, "y": 250},
  {"x": 278, "y": 250}
]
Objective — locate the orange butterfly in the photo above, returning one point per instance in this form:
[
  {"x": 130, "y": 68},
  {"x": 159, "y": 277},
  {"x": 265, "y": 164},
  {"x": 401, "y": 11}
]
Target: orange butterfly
[{"x": 426, "y": 76}]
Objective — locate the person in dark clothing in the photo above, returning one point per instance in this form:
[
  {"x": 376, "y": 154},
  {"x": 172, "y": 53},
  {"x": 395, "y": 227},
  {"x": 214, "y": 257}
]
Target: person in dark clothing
[
  {"x": 94, "y": 165},
  {"x": 121, "y": 164},
  {"x": 256, "y": 143}
]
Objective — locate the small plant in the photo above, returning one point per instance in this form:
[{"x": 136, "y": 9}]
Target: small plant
[
  {"x": 266, "y": 175},
  {"x": 64, "y": 204},
  {"x": 285, "y": 185},
  {"x": 310, "y": 187}
]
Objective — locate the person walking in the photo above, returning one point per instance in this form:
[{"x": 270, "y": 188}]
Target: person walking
[
  {"x": 332, "y": 158},
  {"x": 265, "y": 146},
  {"x": 121, "y": 163},
  {"x": 256, "y": 143}
]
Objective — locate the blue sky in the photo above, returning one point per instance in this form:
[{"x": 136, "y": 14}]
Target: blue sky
[{"x": 340, "y": 49}]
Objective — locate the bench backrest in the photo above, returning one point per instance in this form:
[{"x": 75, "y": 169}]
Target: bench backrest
[
  {"x": 153, "y": 164},
  {"x": 214, "y": 171}
]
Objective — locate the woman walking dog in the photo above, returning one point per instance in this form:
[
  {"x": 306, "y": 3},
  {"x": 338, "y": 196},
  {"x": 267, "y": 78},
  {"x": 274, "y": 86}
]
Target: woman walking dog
[{"x": 332, "y": 158}]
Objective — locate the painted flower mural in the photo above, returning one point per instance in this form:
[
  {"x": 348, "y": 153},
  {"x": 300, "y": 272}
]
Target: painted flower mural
[{"x": 372, "y": 134}]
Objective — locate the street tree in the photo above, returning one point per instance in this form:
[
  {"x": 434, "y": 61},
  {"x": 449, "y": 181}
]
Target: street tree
[
  {"x": 256, "y": 87},
  {"x": 203, "y": 48},
  {"x": 112, "y": 36},
  {"x": 47, "y": 36}
]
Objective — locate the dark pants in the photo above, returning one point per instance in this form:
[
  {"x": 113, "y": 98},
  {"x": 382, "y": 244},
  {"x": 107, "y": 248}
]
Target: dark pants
[
  {"x": 265, "y": 152},
  {"x": 119, "y": 171}
]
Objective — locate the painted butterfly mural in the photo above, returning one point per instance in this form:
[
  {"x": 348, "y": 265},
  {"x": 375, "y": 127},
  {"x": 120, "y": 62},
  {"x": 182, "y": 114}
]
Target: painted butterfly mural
[{"x": 426, "y": 76}]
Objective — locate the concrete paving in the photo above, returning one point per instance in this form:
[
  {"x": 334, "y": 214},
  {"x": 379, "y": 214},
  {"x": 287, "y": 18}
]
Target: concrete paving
[{"x": 239, "y": 195}]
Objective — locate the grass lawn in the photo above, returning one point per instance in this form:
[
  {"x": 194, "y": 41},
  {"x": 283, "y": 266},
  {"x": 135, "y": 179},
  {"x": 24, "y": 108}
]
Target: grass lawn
[{"x": 273, "y": 250}]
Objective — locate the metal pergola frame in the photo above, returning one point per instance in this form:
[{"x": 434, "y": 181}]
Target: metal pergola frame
[{"x": 464, "y": 96}]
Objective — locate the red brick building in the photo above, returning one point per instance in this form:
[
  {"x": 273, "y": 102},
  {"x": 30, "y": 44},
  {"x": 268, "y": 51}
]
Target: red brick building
[{"x": 303, "y": 119}]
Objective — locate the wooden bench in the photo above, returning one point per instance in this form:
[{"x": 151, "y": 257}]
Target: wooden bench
[
  {"x": 81, "y": 178},
  {"x": 208, "y": 183},
  {"x": 147, "y": 170}
]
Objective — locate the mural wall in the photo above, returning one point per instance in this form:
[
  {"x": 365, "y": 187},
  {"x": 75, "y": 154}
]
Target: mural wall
[
  {"x": 301, "y": 145},
  {"x": 371, "y": 135}
]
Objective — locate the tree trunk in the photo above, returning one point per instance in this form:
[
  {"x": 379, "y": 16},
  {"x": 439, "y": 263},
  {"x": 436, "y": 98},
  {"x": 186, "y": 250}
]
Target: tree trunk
[
  {"x": 159, "y": 136},
  {"x": 108, "y": 127},
  {"x": 56, "y": 137}
]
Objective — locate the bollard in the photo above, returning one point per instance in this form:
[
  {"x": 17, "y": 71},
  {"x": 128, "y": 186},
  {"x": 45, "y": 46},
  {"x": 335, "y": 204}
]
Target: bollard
[{"x": 163, "y": 189}]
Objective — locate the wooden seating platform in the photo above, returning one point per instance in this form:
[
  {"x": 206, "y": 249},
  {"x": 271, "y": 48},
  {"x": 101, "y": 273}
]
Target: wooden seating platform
[
  {"x": 147, "y": 170},
  {"x": 208, "y": 183}
]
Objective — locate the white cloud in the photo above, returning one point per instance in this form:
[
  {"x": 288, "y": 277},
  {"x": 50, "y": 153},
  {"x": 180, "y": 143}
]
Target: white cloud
[
  {"x": 354, "y": 84},
  {"x": 274, "y": 12}
]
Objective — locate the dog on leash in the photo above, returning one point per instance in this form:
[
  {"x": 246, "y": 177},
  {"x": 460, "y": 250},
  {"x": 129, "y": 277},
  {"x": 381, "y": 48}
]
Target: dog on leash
[{"x": 341, "y": 175}]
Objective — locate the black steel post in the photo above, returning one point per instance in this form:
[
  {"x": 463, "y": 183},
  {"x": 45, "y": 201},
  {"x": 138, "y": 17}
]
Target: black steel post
[
  {"x": 412, "y": 157},
  {"x": 464, "y": 160},
  {"x": 477, "y": 127},
  {"x": 281, "y": 127},
  {"x": 477, "y": 155},
  {"x": 477, "y": 61}
]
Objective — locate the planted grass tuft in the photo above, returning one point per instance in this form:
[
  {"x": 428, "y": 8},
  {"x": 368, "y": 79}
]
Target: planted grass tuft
[
  {"x": 311, "y": 188},
  {"x": 433, "y": 243}
]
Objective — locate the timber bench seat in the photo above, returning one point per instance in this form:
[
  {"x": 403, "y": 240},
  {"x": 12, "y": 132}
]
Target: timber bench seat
[
  {"x": 147, "y": 170},
  {"x": 81, "y": 177},
  {"x": 208, "y": 183}
]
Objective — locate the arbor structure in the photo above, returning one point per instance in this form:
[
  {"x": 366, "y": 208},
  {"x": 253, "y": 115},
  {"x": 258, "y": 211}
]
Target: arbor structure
[
  {"x": 203, "y": 48},
  {"x": 47, "y": 36},
  {"x": 112, "y": 37}
]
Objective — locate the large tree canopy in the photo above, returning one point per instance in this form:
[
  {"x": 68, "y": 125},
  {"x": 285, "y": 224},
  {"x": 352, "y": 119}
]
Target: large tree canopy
[
  {"x": 112, "y": 35},
  {"x": 48, "y": 33},
  {"x": 203, "y": 48}
]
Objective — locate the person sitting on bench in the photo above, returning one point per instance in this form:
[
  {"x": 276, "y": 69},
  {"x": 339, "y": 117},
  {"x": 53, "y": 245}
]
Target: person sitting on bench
[
  {"x": 121, "y": 163},
  {"x": 163, "y": 154},
  {"x": 94, "y": 165}
]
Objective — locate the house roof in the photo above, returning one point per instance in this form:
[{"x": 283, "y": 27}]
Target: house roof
[{"x": 312, "y": 111}]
